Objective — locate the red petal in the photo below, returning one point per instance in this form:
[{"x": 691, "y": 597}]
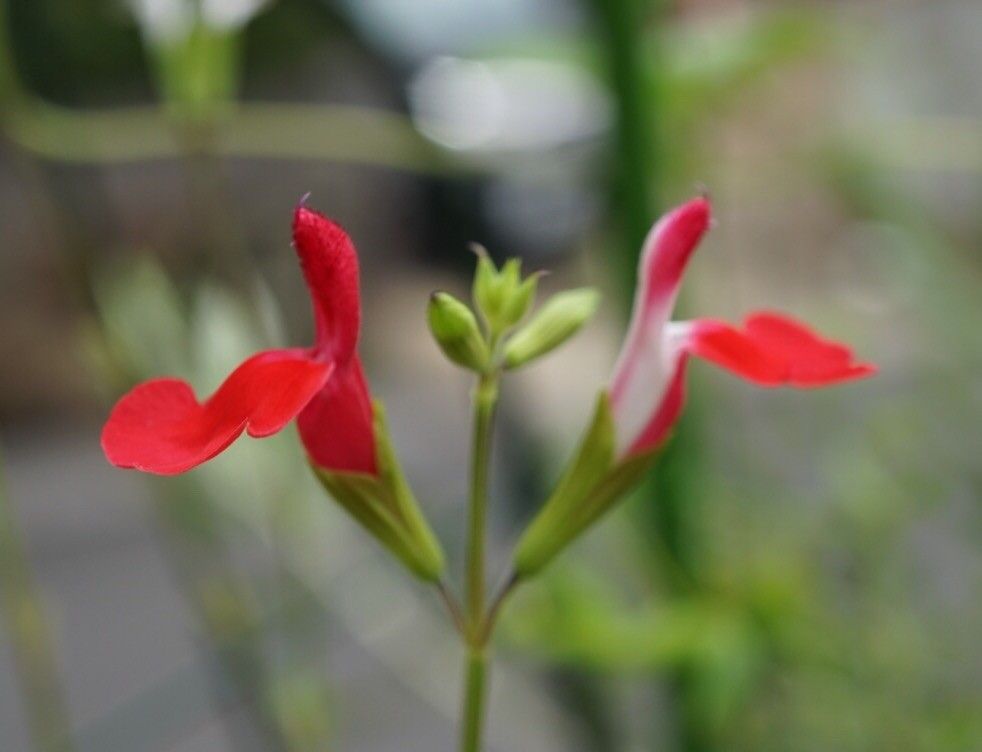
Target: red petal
[
  {"x": 160, "y": 427},
  {"x": 775, "y": 350},
  {"x": 330, "y": 266},
  {"x": 337, "y": 427},
  {"x": 668, "y": 248},
  {"x": 668, "y": 412}
]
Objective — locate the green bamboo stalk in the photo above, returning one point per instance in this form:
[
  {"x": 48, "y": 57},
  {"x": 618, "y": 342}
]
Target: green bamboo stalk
[
  {"x": 622, "y": 25},
  {"x": 629, "y": 29}
]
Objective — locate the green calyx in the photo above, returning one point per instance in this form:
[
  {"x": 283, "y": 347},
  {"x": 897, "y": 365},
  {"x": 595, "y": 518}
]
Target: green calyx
[
  {"x": 456, "y": 331},
  {"x": 559, "y": 319},
  {"x": 592, "y": 484},
  {"x": 385, "y": 506}
]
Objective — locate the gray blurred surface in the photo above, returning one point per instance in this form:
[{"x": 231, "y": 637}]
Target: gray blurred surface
[{"x": 127, "y": 642}]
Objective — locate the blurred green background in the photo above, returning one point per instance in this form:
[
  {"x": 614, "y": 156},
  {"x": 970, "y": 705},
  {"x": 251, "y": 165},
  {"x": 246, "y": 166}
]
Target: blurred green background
[{"x": 801, "y": 573}]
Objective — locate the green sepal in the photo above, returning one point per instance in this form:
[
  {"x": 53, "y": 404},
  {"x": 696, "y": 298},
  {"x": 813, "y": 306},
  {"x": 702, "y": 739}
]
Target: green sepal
[
  {"x": 592, "y": 484},
  {"x": 520, "y": 300},
  {"x": 550, "y": 529},
  {"x": 488, "y": 289},
  {"x": 560, "y": 318},
  {"x": 501, "y": 296},
  {"x": 385, "y": 506}
]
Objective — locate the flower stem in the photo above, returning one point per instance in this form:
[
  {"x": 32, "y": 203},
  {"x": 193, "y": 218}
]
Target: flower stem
[
  {"x": 475, "y": 688},
  {"x": 485, "y": 398},
  {"x": 475, "y": 681}
]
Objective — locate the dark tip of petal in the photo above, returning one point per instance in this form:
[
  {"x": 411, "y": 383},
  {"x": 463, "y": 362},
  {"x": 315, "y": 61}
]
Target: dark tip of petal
[
  {"x": 701, "y": 207},
  {"x": 702, "y": 190},
  {"x": 478, "y": 250},
  {"x": 689, "y": 220},
  {"x": 696, "y": 216}
]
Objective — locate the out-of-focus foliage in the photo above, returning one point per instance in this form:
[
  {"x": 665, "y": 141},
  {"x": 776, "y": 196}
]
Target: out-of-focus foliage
[
  {"x": 809, "y": 631},
  {"x": 806, "y": 630},
  {"x": 822, "y": 612}
]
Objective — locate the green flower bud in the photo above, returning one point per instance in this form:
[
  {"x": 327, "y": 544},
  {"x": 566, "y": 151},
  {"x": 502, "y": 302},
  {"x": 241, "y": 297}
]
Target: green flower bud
[
  {"x": 558, "y": 320},
  {"x": 455, "y": 329}
]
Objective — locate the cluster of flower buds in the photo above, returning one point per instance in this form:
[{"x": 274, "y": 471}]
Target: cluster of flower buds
[
  {"x": 502, "y": 299},
  {"x": 160, "y": 426}
]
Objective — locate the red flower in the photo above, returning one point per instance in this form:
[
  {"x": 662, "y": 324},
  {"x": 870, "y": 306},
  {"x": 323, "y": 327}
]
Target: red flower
[
  {"x": 647, "y": 390},
  {"x": 160, "y": 427}
]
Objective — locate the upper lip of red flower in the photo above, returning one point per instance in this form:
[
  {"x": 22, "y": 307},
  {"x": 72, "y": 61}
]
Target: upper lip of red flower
[
  {"x": 330, "y": 268},
  {"x": 160, "y": 427}
]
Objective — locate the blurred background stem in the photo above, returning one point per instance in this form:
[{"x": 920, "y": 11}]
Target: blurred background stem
[
  {"x": 623, "y": 26},
  {"x": 30, "y": 637},
  {"x": 629, "y": 29},
  {"x": 339, "y": 133}
]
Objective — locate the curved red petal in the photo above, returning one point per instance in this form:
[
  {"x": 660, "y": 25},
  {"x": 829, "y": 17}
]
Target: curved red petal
[
  {"x": 160, "y": 427},
  {"x": 330, "y": 266},
  {"x": 644, "y": 368},
  {"x": 668, "y": 248},
  {"x": 337, "y": 427},
  {"x": 775, "y": 350}
]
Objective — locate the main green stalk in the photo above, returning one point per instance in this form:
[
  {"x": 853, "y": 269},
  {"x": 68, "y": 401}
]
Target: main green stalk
[
  {"x": 485, "y": 397},
  {"x": 475, "y": 681},
  {"x": 475, "y": 689}
]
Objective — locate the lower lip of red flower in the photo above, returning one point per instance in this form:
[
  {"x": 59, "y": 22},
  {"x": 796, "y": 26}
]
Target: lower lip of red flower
[{"x": 160, "y": 427}]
